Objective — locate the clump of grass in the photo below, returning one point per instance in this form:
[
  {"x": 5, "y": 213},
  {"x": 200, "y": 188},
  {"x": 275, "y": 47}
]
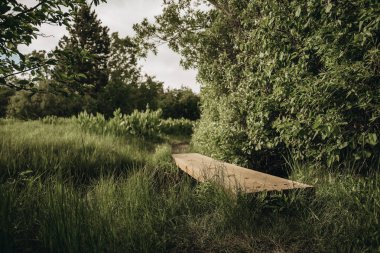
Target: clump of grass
[
  {"x": 162, "y": 157},
  {"x": 343, "y": 216}
]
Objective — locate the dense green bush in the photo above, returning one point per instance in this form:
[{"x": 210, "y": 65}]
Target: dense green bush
[
  {"x": 146, "y": 124},
  {"x": 298, "y": 76},
  {"x": 143, "y": 124},
  {"x": 93, "y": 123},
  {"x": 28, "y": 105},
  {"x": 180, "y": 103},
  {"x": 177, "y": 126}
]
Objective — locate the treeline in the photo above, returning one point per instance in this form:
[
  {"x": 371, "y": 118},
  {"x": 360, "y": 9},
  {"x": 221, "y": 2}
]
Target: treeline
[
  {"x": 95, "y": 72},
  {"x": 174, "y": 103}
]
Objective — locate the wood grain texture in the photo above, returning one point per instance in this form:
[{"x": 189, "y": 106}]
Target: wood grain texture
[{"x": 236, "y": 178}]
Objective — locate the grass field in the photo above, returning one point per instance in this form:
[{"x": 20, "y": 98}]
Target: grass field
[{"x": 66, "y": 190}]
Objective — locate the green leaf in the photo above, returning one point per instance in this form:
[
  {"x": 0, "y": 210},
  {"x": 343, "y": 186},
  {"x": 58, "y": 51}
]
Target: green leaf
[
  {"x": 298, "y": 11},
  {"x": 328, "y": 7},
  {"x": 360, "y": 25},
  {"x": 317, "y": 123},
  {"x": 343, "y": 145},
  {"x": 372, "y": 139}
]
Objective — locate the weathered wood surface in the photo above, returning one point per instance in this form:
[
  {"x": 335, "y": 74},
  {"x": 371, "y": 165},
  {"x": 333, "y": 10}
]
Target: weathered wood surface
[{"x": 236, "y": 178}]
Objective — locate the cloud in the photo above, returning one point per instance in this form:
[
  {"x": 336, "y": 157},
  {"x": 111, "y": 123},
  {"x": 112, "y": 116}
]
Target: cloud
[
  {"x": 119, "y": 16},
  {"x": 165, "y": 66}
]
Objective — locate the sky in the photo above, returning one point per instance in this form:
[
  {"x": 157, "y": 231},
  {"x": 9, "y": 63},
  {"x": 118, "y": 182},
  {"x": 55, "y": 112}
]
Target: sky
[{"x": 119, "y": 16}]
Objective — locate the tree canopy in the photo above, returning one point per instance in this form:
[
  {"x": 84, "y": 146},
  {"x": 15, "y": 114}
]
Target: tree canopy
[
  {"x": 82, "y": 57},
  {"x": 19, "y": 25}
]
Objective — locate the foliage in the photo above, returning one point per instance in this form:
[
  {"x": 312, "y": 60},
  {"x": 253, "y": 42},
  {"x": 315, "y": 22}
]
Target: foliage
[
  {"x": 51, "y": 120},
  {"x": 19, "y": 24},
  {"x": 130, "y": 96},
  {"x": 180, "y": 103},
  {"x": 145, "y": 124},
  {"x": 123, "y": 60},
  {"x": 5, "y": 94},
  {"x": 29, "y": 105},
  {"x": 140, "y": 124},
  {"x": 278, "y": 76},
  {"x": 183, "y": 127},
  {"x": 127, "y": 88},
  {"x": 83, "y": 56}
]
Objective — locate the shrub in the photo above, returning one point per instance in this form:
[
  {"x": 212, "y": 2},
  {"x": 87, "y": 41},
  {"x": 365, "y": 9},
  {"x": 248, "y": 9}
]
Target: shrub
[
  {"x": 147, "y": 124},
  {"x": 55, "y": 120},
  {"x": 139, "y": 124},
  {"x": 28, "y": 105},
  {"x": 180, "y": 103},
  {"x": 177, "y": 126},
  {"x": 143, "y": 124},
  {"x": 93, "y": 123},
  {"x": 297, "y": 75}
]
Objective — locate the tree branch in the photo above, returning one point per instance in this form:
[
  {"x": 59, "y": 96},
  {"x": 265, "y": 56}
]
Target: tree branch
[
  {"x": 20, "y": 72},
  {"x": 220, "y": 7},
  {"x": 30, "y": 9}
]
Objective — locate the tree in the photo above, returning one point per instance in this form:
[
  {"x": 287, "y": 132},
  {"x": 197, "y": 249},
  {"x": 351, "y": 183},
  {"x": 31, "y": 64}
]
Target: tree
[
  {"x": 123, "y": 60},
  {"x": 280, "y": 75},
  {"x": 180, "y": 103},
  {"x": 19, "y": 25},
  {"x": 5, "y": 95},
  {"x": 128, "y": 89},
  {"x": 83, "y": 56}
]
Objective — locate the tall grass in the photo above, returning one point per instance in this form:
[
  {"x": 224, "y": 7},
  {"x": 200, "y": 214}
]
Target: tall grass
[
  {"x": 64, "y": 150},
  {"x": 146, "y": 205}
]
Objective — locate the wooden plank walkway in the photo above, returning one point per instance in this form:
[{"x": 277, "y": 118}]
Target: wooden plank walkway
[{"x": 236, "y": 178}]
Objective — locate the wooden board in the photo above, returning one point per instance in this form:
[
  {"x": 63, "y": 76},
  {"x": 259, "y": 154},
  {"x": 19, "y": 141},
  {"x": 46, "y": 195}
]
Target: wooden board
[{"x": 236, "y": 178}]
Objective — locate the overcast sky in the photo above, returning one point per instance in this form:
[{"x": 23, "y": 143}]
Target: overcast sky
[{"x": 119, "y": 16}]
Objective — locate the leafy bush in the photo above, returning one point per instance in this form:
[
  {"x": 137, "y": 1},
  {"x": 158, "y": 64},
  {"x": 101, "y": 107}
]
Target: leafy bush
[
  {"x": 180, "y": 103},
  {"x": 177, "y": 126},
  {"x": 28, "y": 105},
  {"x": 55, "y": 120},
  {"x": 297, "y": 75},
  {"x": 93, "y": 123},
  {"x": 143, "y": 124},
  {"x": 139, "y": 124},
  {"x": 146, "y": 124}
]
